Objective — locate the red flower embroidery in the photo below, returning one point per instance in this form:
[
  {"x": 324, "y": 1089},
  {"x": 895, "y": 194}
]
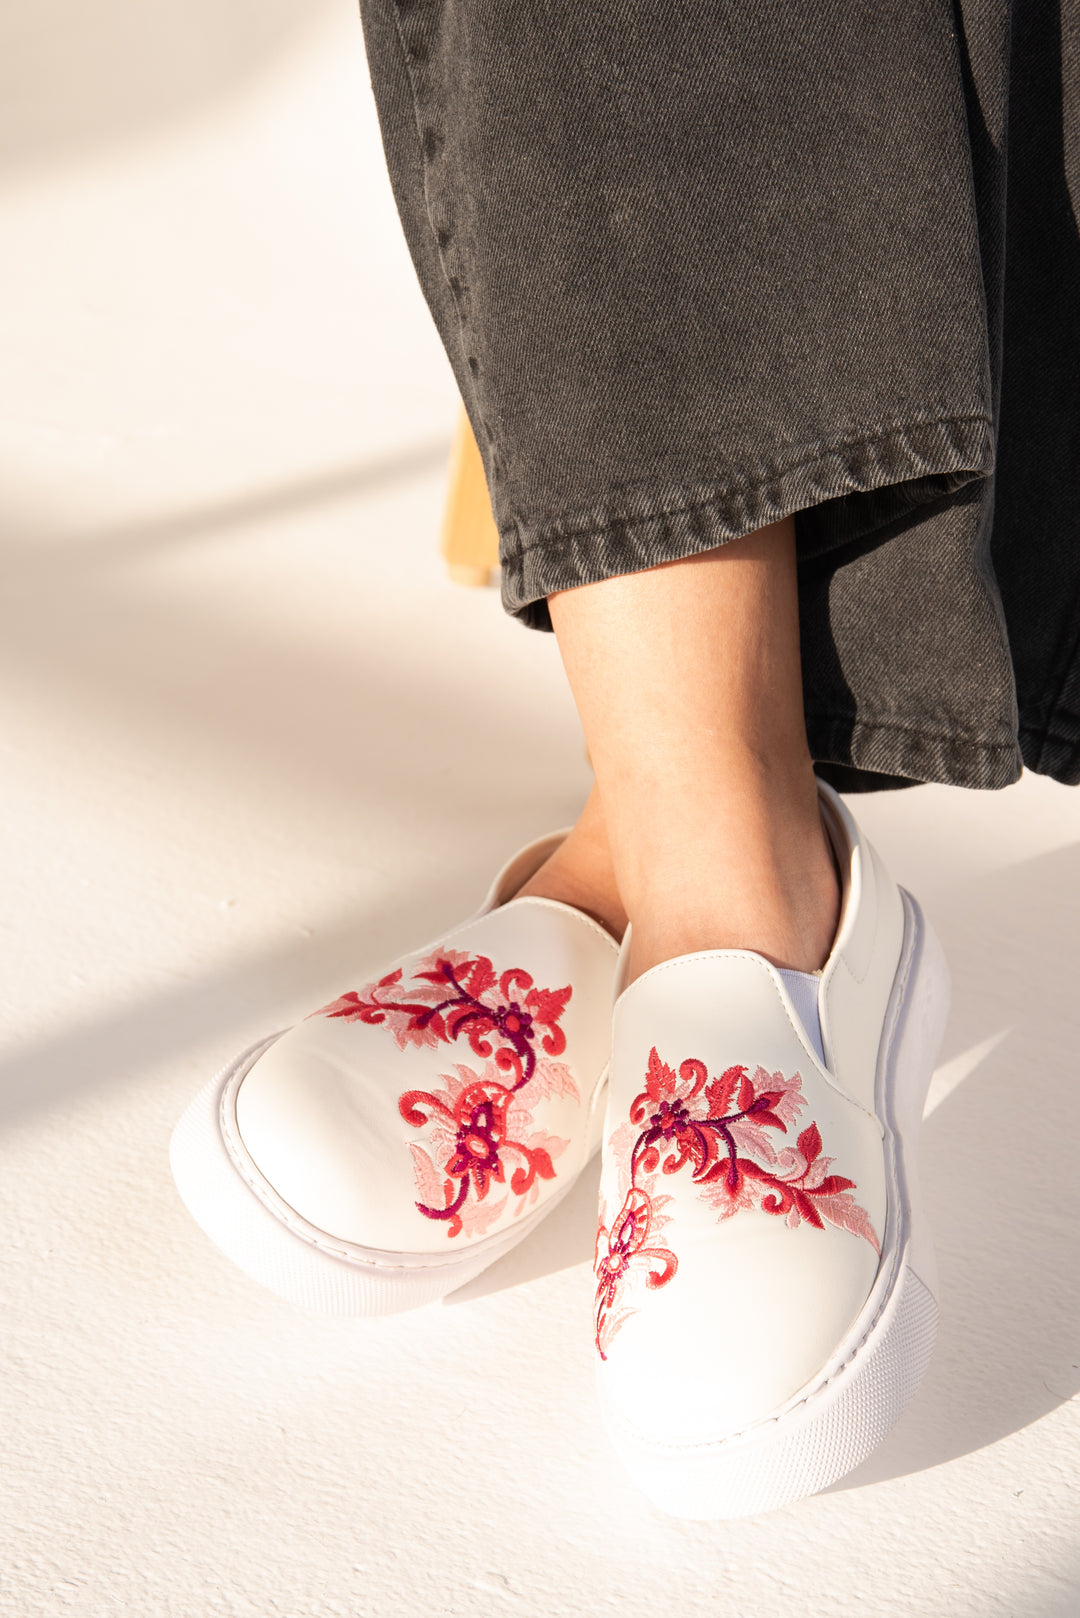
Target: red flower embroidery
[
  {"x": 481, "y": 1132},
  {"x": 454, "y": 994},
  {"x": 627, "y": 1242},
  {"x": 479, "y": 1123},
  {"x": 721, "y": 1128}
]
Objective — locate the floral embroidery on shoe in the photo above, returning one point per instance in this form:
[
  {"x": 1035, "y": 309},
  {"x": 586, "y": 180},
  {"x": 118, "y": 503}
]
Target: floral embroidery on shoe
[
  {"x": 455, "y": 993},
  {"x": 480, "y": 1123},
  {"x": 720, "y": 1127},
  {"x": 479, "y": 1131}
]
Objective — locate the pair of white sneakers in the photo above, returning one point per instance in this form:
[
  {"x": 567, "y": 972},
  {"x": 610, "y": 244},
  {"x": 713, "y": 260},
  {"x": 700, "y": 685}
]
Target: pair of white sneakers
[{"x": 764, "y": 1285}]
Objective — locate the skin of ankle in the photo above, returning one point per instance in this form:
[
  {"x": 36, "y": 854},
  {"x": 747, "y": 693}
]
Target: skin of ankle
[
  {"x": 581, "y": 873},
  {"x": 688, "y": 682},
  {"x": 781, "y": 900}
]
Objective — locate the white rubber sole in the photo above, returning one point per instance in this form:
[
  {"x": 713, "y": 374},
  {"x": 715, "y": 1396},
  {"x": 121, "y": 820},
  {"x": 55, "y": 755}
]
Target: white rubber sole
[
  {"x": 272, "y": 1244},
  {"x": 832, "y": 1424}
]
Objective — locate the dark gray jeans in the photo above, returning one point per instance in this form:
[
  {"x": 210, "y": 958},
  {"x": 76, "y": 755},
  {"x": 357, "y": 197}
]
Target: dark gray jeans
[{"x": 701, "y": 266}]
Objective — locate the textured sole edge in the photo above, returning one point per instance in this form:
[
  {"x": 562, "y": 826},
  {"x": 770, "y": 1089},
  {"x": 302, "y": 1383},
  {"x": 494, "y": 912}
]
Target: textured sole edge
[
  {"x": 321, "y": 1275},
  {"x": 831, "y": 1426}
]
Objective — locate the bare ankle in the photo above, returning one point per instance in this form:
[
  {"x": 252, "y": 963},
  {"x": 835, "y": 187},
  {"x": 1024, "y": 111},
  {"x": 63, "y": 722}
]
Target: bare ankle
[
  {"x": 580, "y": 873},
  {"x": 766, "y": 883}
]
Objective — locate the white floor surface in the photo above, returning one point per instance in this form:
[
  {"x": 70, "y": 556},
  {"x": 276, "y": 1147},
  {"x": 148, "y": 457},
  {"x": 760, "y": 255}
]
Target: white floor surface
[{"x": 251, "y": 745}]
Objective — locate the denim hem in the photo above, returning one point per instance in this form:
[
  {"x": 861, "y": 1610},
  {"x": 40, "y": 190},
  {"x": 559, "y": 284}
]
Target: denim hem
[
  {"x": 886, "y": 747},
  {"x": 642, "y": 530}
]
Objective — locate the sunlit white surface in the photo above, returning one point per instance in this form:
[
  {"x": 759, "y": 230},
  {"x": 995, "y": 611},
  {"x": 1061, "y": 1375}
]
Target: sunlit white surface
[{"x": 252, "y": 744}]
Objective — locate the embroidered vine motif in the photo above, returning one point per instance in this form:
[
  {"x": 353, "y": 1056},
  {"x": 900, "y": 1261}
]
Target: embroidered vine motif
[
  {"x": 480, "y": 1124},
  {"x": 719, "y": 1127}
]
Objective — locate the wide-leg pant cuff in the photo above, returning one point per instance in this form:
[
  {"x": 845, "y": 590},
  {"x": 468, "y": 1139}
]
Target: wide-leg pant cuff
[
  {"x": 859, "y": 483},
  {"x": 887, "y": 751}
]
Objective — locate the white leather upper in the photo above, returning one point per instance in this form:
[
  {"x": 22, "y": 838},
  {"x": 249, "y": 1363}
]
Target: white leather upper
[
  {"x": 319, "y": 1116},
  {"x": 713, "y": 1311},
  {"x": 858, "y": 976}
]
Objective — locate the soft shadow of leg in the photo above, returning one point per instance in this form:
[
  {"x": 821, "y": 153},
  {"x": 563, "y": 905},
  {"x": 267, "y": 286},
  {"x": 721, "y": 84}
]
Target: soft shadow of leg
[
  {"x": 999, "y": 1173},
  {"x": 564, "y": 1239}
]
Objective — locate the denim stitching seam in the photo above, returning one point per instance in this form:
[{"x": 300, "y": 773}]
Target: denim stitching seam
[
  {"x": 456, "y": 285},
  {"x": 896, "y": 723},
  {"x": 809, "y": 458}
]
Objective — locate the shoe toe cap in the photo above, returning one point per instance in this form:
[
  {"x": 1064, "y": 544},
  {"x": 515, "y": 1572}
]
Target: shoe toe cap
[
  {"x": 322, "y": 1131},
  {"x": 360, "y": 1140},
  {"x": 742, "y": 1328},
  {"x": 389, "y": 1123}
]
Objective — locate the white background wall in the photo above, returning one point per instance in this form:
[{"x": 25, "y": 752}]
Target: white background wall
[{"x": 251, "y": 744}]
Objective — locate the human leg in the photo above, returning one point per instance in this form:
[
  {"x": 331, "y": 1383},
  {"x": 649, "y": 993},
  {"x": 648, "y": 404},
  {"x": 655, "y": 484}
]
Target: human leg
[
  {"x": 688, "y": 682},
  {"x": 581, "y": 873},
  {"x": 670, "y": 337},
  {"x": 685, "y": 295}
]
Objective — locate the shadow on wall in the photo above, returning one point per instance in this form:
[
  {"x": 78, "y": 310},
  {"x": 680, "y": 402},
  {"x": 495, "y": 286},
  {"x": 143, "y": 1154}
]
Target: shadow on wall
[
  {"x": 75, "y": 77},
  {"x": 273, "y": 502}
]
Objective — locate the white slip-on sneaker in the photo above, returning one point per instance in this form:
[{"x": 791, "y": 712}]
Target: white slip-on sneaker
[
  {"x": 405, "y": 1136},
  {"x": 764, "y": 1280}
]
